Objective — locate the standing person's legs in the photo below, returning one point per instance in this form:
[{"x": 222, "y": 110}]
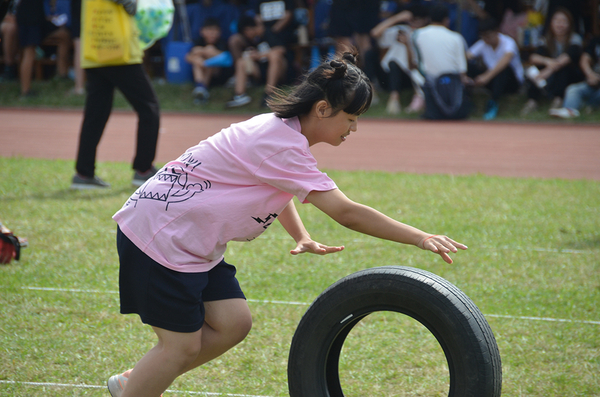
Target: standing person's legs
[
  {"x": 98, "y": 105},
  {"x": 135, "y": 85}
]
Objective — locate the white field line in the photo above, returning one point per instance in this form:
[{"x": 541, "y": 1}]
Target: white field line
[
  {"x": 83, "y": 386},
  {"x": 292, "y": 303}
]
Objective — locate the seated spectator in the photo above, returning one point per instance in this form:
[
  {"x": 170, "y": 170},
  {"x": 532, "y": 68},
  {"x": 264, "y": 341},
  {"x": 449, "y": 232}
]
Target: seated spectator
[
  {"x": 577, "y": 9},
  {"x": 350, "y": 23},
  {"x": 442, "y": 53},
  {"x": 222, "y": 10},
  {"x": 510, "y": 14},
  {"x": 558, "y": 58},
  {"x": 500, "y": 69},
  {"x": 398, "y": 63},
  {"x": 587, "y": 91},
  {"x": 33, "y": 28},
  {"x": 10, "y": 43},
  {"x": 208, "y": 45},
  {"x": 268, "y": 60}
]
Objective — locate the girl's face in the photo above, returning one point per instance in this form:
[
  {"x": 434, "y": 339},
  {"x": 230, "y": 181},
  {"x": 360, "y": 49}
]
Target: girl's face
[
  {"x": 335, "y": 129},
  {"x": 560, "y": 24}
]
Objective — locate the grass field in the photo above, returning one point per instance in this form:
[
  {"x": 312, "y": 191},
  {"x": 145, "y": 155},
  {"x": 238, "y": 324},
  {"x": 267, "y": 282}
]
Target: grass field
[{"x": 532, "y": 268}]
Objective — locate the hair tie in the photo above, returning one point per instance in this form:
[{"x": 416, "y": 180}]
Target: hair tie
[{"x": 339, "y": 69}]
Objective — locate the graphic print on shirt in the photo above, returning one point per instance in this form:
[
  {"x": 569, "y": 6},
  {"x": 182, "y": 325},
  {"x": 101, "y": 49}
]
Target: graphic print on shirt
[
  {"x": 268, "y": 221},
  {"x": 180, "y": 189}
]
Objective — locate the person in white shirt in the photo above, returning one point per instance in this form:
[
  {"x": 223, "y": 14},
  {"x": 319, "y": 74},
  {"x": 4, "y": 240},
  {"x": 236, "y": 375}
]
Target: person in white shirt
[
  {"x": 502, "y": 71},
  {"x": 438, "y": 52},
  {"x": 394, "y": 36}
]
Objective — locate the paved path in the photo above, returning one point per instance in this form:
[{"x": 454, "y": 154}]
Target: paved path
[{"x": 546, "y": 150}]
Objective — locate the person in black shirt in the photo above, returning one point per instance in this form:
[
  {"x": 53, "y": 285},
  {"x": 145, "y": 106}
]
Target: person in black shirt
[{"x": 210, "y": 44}]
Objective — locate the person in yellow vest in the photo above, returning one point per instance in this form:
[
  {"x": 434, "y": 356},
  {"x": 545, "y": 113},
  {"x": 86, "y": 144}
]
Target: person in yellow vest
[{"x": 128, "y": 75}]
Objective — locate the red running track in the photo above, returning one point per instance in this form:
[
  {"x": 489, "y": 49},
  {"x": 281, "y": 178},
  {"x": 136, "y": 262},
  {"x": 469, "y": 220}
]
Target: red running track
[{"x": 544, "y": 150}]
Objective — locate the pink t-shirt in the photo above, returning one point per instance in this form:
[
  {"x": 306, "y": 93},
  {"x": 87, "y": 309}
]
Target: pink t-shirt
[{"x": 230, "y": 186}]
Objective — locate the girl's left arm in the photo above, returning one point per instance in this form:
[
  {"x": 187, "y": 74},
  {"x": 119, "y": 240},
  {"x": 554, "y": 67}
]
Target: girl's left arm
[
  {"x": 364, "y": 219},
  {"x": 292, "y": 223}
]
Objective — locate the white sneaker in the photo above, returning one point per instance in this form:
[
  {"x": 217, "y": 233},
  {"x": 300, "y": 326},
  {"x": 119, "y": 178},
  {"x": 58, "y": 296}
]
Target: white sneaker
[
  {"x": 116, "y": 383},
  {"x": 564, "y": 113},
  {"x": 393, "y": 107},
  {"x": 238, "y": 100}
]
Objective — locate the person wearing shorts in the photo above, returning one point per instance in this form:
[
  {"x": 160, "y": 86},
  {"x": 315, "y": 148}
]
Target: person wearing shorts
[
  {"x": 173, "y": 231},
  {"x": 168, "y": 299},
  {"x": 268, "y": 61},
  {"x": 33, "y": 28}
]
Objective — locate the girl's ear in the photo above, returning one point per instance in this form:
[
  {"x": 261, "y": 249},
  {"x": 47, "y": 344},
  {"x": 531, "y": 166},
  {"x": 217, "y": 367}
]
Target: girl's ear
[{"x": 323, "y": 109}]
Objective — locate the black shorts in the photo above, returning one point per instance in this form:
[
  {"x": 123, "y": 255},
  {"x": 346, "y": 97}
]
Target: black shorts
[{"x": 168, "y": 299}]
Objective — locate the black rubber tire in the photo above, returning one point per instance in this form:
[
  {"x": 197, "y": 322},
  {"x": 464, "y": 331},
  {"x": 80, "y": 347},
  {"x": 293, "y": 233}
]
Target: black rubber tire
[{"x": 460, "y": 328}]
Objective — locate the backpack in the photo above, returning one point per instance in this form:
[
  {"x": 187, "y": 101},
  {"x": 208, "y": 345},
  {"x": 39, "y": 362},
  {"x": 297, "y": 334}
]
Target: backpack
[{"x": 446, "y": 98}]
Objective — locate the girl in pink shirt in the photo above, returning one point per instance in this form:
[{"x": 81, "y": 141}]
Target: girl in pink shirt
[{"x": 173, "y": 231}]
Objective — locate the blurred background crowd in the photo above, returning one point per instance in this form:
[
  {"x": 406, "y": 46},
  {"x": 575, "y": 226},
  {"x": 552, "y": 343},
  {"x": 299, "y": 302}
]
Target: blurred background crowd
[{"x": 546, "y": 50}]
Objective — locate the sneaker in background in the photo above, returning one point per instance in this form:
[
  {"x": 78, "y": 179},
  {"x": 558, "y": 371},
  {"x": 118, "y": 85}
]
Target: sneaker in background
[
  {"x": 564, "y": 113},
  {"x": 139, "y": 178},
  {"x": 84, "y": 183},
  {"x": 393, "y": 106},
  {"x": 238, "y": 100},
  {"x": 200, "y": 94},
  {"x": 491, "y": 110}
]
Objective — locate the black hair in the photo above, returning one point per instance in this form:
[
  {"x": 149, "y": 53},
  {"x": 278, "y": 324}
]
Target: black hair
[
  {"x": 245, "y": 21},
  {"x": 438, "y": 13},
  {"x": 488, "y": 25},
  {"x": 419, "y": 10},
  {"x": 339, "y": 82},
  {"x": 211, "y": 22}
]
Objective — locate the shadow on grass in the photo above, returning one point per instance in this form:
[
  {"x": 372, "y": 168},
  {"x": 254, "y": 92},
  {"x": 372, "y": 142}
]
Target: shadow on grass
[{"x": 70, "y": 195}]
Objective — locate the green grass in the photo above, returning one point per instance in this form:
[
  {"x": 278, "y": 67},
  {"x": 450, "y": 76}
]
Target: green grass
[
  {"x": 172, "y": 97},
  {"x": 533, "y": 252}
]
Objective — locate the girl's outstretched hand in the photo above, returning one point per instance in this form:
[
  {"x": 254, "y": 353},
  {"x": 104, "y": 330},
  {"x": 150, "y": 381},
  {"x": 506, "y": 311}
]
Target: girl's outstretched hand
[
  {"x": 441, "y": 245},
  {"x": 313, "y": 247}
]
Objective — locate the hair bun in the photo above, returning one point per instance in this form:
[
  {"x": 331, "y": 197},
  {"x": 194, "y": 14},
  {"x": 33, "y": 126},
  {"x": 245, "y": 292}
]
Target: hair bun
[
  {"x": 350, "y": 57},
  {"x": 339, "y": 69}
]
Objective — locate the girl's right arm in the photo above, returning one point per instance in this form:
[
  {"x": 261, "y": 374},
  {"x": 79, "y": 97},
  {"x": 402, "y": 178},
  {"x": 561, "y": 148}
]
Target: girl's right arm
[
  {"x": 291, "y": 222},
  {"x": 367, "y": 220}
]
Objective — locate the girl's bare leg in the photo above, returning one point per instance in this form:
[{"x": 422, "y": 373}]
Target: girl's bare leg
[{"x": 227, "y": 323}]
